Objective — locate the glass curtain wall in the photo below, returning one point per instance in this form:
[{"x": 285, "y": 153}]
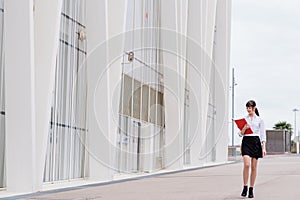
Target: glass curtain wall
[
  {"x": 2, "y": 99},
  {"x": 140, "y": 138},
  {"x": 65, "y": 158}
]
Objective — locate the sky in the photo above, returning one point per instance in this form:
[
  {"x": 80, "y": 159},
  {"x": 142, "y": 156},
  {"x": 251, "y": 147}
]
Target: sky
[{"x": 265, "y": 53}]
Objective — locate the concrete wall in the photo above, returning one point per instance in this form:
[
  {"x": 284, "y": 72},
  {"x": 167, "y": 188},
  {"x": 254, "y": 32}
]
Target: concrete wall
[{"x": 278, "y": 141}]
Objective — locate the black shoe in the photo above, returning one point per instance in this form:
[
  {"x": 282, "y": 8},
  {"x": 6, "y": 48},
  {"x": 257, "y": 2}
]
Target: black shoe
[
  {"x": 244, "y": 193},
  {"x": 250, "y": 192}
]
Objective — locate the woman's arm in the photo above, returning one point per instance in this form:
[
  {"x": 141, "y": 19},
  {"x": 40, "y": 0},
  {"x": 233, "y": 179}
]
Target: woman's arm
[
  {"x": 262, "y": 131},
  {"x": 263, "y": 137}
]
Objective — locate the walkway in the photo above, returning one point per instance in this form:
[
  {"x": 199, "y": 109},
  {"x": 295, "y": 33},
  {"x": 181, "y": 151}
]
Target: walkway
[{"x": 279, "y": 178}]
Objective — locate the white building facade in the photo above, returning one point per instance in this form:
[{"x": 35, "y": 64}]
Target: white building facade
[{"x": 92, "y": 90}]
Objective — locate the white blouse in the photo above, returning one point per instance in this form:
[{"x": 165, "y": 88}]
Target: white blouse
[{"x": 257, "y": 125}]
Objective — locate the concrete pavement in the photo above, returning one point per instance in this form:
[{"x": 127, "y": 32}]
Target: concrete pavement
[{"x": 278, "y": 178}]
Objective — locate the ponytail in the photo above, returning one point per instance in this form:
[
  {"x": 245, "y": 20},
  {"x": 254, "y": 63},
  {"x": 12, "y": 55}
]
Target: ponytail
[{"x": 256, "y": 112}]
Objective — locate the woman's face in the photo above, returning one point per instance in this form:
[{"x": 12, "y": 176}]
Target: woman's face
[{"x": 251, "y": 110}]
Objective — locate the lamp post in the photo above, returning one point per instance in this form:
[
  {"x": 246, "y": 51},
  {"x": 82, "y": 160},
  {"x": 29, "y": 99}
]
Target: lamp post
[
  {"x": 295, "y": 128},
  {"x": 232, "y": 107}
]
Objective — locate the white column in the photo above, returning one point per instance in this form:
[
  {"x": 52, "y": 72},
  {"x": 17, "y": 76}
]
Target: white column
[
  {"x": 201, "y": 18},
  {"x": 47, "y": 14},
  {"x": 173, "y": 86},
  {"x": 222, "y": 61},
  {"x": 19, "y": 82},
  {"x": 115, "y": 21},
  {"x": 97, "y": 109},
  {"x": 105, "y": 22}
]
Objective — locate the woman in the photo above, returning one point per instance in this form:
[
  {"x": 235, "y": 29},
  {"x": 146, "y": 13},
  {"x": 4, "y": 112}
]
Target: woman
[{"x": 253, "y": 146}]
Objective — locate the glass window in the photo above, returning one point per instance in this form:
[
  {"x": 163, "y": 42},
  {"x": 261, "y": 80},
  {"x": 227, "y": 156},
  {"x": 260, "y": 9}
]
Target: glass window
[
  {"x": 141, "y": 77},
  {"x": 144, "y": 103},
  {"x": 65, "y": 157},
  {"x": 141, "y": 94}
]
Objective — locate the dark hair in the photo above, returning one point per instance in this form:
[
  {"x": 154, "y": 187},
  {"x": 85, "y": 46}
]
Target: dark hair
[{"x": 252, "y": 104}]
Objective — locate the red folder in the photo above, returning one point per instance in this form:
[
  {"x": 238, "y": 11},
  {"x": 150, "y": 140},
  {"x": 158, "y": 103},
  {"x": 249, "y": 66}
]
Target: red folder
[{"x": 241, "y": 123}]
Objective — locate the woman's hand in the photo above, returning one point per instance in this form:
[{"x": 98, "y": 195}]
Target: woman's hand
[
  {"x": 263, "y": 146},
  {"x": 244, "y": 129},
  {"x": 264, "y": 152}
]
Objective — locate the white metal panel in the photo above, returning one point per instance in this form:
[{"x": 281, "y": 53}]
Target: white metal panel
[{"x": 19, "y": 96}]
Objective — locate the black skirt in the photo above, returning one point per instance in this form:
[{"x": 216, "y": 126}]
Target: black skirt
[{"x": 251, "y": 146}]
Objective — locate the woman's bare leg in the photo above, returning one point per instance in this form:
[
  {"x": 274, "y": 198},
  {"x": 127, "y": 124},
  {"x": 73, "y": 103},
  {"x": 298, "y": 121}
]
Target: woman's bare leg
[
  {"x": 253, "y": 171},
  {"x": 246, "y": 169}
]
